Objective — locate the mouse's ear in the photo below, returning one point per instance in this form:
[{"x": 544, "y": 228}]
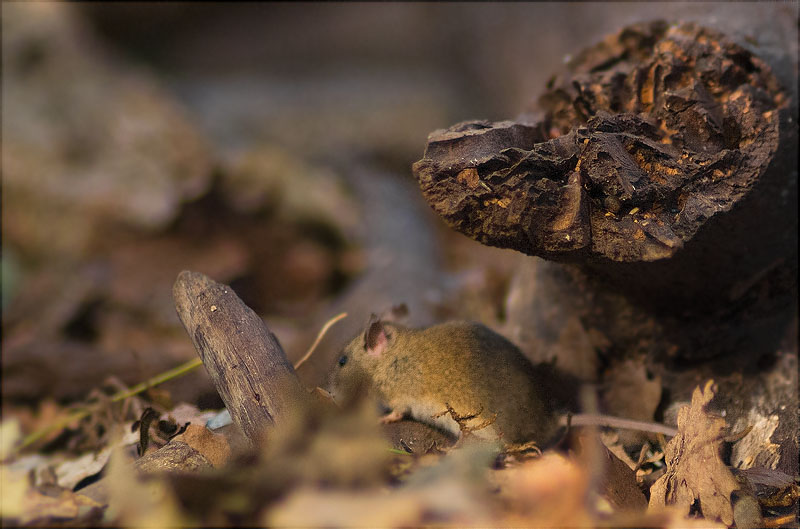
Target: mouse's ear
[{"x": 375, "y": 339}]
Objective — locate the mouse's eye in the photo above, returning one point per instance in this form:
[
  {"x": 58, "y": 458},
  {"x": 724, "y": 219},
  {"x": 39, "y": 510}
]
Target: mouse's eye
[{"x": 343, "y": 360}]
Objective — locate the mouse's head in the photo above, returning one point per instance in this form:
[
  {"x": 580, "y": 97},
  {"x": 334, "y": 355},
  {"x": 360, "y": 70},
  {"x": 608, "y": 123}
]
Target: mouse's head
[{"x": 363, "y": 358}]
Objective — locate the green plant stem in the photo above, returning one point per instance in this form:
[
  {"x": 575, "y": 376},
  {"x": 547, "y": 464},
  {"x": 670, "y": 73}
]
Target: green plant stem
[{"x": 121, "y": 395}]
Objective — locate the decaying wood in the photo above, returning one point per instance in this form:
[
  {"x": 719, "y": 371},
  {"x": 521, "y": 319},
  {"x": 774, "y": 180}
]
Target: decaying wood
[
  {"x": 661, "y": 149},
  {"x": 244, "y": 359},
  {"x": 658, "y": 175},
  {"x": 176, "y": 456}
]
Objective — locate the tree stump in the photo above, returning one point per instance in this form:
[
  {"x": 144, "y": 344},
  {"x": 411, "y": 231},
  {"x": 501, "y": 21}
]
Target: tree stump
[
  {"x": 660, "y": 162},
  {"x": 661, "y": 166},
  {"x": 658, "y": 174}
]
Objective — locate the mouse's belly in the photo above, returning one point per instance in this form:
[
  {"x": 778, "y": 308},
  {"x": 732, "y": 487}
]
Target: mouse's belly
[{"x": 435, "y": 413}]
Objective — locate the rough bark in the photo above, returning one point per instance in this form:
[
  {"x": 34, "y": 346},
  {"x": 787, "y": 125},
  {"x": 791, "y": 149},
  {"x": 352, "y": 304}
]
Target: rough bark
[
  {"x": 659, "y": 155},
  {"x": 659, "y": 174},
  {"x": 244, "y": 359}
]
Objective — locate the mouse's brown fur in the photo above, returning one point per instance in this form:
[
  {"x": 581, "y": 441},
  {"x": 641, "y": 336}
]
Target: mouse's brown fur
[{"x": 417, "y": 372}]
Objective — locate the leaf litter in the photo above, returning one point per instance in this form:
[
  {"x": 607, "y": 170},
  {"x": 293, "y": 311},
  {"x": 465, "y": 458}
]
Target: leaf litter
[{"x": 332, "y": 465}]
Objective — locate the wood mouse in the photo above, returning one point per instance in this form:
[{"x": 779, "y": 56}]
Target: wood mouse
[
  {"x": 466, "y": 365},
  {"x": 418, "y": 372}
]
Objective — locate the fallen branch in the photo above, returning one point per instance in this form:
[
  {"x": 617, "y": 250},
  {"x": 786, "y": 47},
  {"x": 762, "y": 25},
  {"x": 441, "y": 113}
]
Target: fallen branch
[{"x": 244, "y": 359}]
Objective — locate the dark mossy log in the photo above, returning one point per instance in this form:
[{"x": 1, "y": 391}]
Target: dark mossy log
[
  {"x": 663, "y": 162},
  {"x": 244, "y": 359}
]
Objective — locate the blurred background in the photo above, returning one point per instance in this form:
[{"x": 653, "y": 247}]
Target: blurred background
[{"x": 268, "y": 146}]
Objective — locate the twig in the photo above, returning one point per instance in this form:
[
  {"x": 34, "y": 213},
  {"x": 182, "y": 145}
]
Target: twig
[
  {"x": 589, "y": 419},
  {"x": 154, "y": 381},
  {"x": 320, "y": 335},
  {"x": 120, "y": 395}
]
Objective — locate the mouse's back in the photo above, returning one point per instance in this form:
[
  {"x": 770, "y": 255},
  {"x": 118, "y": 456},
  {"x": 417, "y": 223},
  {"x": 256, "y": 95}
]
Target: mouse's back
[
  {"x": 462, "y": 364},
  {"x": 480, "y": 369}
]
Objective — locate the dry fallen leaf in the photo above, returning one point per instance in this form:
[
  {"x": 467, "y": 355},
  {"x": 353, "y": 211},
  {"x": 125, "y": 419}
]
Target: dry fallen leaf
[
  {"x": 21, "y": 503},
  {"x": 42, "y": 509},
  {"x": 452, "y": 491},
  {"x": 666, "y": 517},
  {"x": 13, "y": 482},
  {"x": 313, "y": 508},
  {"x": 695, "y": 470},
  {"x": 546, "y": 492},
  {"x": 617, "y": 484},
  {"x": 14, "y": 485},
  {"x": 135, "y": 502},
  {"x": 71, "y": 472},
  {"x": 213, "y": 446},
  {"x": 10, "y": 436}
]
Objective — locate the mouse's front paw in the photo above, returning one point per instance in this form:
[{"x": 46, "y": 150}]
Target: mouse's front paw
[{"x": 392, "y": 416}]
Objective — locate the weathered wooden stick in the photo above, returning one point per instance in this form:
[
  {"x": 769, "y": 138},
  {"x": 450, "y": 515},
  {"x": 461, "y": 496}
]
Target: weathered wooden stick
[{"x": 244, "y": 359}]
